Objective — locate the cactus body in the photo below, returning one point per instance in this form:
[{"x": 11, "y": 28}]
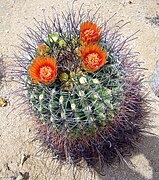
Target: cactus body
[{"x": 86, "y": 111}]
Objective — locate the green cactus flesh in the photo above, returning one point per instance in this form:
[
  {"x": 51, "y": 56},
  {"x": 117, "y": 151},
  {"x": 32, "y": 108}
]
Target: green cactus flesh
[{"x": 83, "y": 104}]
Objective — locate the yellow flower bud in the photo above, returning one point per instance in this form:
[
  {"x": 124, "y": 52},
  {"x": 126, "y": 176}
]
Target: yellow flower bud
[
  {"x": 63, "y": 77},
  {"x": 74, "y": 41},
  {"x": 62, "y": 43},
  {"x": 53, "y": 38},
  {"x": 72, "y": 74}
]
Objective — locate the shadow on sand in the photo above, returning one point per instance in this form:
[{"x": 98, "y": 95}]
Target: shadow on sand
[{"x": 149, "y": 152}]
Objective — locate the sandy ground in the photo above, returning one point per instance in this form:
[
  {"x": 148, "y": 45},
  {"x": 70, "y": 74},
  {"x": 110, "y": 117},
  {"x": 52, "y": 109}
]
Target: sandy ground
[{"x": 16, "y": 130}]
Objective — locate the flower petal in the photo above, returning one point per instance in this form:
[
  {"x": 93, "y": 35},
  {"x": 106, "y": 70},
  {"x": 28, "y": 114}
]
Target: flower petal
[
  {"x": 43, "y": 69},
  {"x": 93, "y": 57}
]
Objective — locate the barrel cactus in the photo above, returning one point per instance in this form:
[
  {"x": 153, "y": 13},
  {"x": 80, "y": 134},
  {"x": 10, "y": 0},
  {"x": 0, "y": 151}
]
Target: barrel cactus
[{"x": 85, "y": 87}]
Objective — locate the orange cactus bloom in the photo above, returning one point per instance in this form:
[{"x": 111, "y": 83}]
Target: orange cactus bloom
[
  {"x": 43, "y": 49},
  {"x": 43, "y": 69},
  {"x": 93, "y": 57},
  {"x": 89, "y": 33}
]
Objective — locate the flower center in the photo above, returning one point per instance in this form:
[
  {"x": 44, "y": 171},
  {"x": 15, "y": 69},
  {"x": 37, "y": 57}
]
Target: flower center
[
  {"x": 93, "y": 59},
  {"x": 89, "y": 32},
  {"x": 46, "y": 72}
]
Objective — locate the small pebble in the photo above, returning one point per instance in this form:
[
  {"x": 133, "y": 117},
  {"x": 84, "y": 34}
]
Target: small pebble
[{"x": 3, "y": 102}]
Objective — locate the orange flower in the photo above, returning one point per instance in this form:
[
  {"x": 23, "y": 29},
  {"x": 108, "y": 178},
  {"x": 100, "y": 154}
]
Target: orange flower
[
  {"x": 43, "y": 49},
  {"x": 93, "y": 58},
  {"x": 89, "y": 33},
  {"x": 43, "y": 69}
]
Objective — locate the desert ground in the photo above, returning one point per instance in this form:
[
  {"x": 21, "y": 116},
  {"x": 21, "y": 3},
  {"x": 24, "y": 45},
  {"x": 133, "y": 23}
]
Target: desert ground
[{"x": 19, "y": 157}]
